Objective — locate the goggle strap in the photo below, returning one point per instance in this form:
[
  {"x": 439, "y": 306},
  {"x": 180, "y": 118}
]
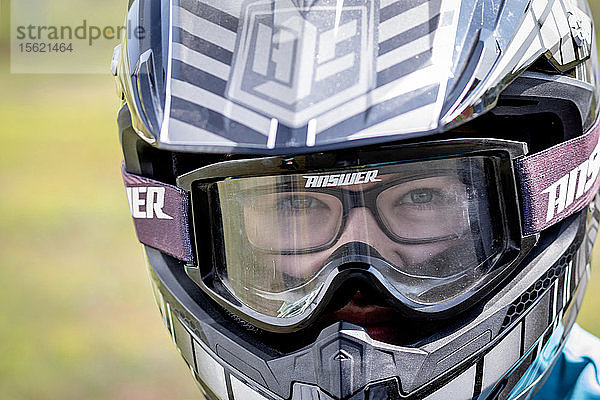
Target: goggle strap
[
  {"x": 559, "y": 181},
  {"x": 555, "y": 183},
  {"x": 160, "y": 214}
]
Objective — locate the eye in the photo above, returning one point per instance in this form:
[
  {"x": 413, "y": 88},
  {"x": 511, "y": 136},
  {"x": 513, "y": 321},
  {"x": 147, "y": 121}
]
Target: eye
[
  {"x": 297, "y": 203},
  {"x": 420, "y": 196}
]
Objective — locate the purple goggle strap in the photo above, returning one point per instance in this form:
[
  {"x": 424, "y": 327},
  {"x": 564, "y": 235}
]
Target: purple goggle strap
[
  {"x": 160, "y": 214},
  {"x": 559, "y": 181},
  {"x": 555, "y": 183}
]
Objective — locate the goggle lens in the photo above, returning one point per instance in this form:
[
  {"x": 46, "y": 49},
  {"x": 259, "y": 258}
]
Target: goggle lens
[{"x": 428, "y": 223}]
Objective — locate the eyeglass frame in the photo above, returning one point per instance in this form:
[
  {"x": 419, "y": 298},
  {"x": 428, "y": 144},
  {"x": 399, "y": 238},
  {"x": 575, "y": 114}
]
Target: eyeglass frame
[{"x": 350, "y": 199}]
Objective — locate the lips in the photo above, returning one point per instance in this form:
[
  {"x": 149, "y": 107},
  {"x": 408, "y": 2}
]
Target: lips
[{"x": 381, "y": 323}]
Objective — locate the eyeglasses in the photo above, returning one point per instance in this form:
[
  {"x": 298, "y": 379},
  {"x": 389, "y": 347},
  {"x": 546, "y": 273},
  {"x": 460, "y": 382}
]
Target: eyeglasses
[{"x": 295, "y": 214}]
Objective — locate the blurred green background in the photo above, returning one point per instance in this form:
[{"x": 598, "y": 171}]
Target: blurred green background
[{"x": 77, "y": 316}]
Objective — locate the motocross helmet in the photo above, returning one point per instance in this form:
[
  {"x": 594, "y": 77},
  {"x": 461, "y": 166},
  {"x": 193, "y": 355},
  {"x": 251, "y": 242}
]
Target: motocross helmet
[{"x": 363, "y": 199}]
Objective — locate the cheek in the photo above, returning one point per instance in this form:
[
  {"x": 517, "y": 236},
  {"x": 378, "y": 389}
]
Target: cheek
[
  {"x": 300, "y": 265},
  {"x": 416, "y": 254}
]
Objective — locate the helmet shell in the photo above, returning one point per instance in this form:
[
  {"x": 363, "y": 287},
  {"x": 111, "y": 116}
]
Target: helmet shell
[{"x": 296, "y": 76}]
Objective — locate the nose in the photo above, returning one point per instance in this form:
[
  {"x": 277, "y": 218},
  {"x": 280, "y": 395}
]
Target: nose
[{"x": 361, "y": 226}]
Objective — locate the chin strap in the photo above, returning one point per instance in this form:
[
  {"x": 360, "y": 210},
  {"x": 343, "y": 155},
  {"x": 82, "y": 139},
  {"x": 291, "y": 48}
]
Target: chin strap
[
  {"x": 559, "y": 181},
  {"x": 160, "y": 214}
]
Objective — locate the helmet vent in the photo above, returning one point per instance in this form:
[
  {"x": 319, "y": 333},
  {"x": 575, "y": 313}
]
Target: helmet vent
[{"x": 519, "y": 306}]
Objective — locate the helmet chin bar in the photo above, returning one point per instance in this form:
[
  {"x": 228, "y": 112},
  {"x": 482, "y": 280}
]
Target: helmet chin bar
[{"x": 461, "y": 359}]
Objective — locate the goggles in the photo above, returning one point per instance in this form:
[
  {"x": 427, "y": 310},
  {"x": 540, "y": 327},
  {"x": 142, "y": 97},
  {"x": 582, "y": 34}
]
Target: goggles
[{"x": 430, "y": 226}]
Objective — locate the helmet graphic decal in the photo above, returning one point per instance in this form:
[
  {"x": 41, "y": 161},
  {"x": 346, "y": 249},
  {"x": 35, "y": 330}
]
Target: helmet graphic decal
[{"x": 294, "y": 65}]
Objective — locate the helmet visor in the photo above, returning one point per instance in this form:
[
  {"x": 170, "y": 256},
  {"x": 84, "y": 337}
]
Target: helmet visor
[{"x": 425, "y": 228}]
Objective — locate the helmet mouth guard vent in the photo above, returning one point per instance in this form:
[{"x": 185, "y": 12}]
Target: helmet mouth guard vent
[{"x": 567, "y": 259}]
